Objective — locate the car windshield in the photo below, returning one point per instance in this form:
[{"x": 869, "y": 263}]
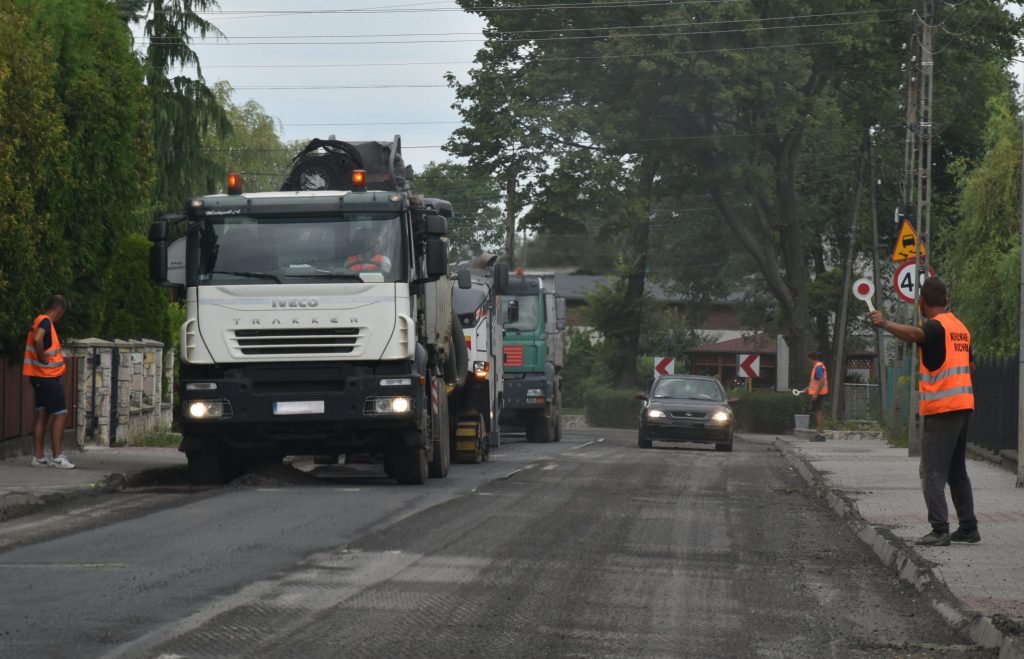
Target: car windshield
[
  {"x": 689, "y": 389},
  {"x": 351, "y": 247},
  {"x": 528, "y": 313}
]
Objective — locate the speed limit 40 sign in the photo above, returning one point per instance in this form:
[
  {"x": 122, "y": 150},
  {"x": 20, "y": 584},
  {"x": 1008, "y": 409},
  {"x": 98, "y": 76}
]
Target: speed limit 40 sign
[{"x": 905, "y": 282}]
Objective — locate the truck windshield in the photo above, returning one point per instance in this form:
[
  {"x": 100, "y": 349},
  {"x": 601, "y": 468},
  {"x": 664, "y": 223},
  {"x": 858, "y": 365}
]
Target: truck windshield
[
  {"x": 351, "y": 247},
  {"x": 528, "y": 313}
]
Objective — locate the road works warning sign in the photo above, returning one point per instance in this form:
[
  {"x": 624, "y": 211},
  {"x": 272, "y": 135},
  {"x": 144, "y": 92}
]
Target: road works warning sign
[{"x": 907, "y": 244}]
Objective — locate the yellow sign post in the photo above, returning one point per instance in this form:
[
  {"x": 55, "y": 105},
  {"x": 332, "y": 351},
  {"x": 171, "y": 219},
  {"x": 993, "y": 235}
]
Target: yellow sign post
[{"x": 907, "y": 244}]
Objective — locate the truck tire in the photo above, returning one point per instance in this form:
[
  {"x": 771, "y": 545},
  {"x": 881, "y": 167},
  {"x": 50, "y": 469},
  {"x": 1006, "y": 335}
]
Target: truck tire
[
  {"x": 539, "y": 430},
  {"x": 441, "y": 442},
  {"x": 409, "y": 465},
  {"x": 205, "y": 466}
]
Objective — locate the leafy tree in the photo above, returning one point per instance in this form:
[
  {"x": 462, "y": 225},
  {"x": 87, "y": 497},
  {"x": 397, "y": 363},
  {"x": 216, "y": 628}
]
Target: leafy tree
[
  {"x": 107, "y": 151},
  {"x": 133, "y": 307},
  {"x": 184, "y": 110},
  {"x": 32, "y": 164},
  {"x": 252, "y": 148},
  {"x": 478, "y": 224},
  {"x": 985, "y": 256}
]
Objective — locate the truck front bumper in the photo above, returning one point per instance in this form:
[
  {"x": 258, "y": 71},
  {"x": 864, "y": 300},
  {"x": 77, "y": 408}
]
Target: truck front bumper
[{"x": 344, "y": 406}]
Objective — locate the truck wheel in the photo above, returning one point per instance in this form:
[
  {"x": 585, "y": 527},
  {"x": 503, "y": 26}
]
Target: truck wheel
[
  {"x": 442, "y": 458},
  {"x": 476, "y": 431},
  {"x": 539, "y": 430},
  {"x": 204, "y": 466},
  {"x": 409, "y": 465}
]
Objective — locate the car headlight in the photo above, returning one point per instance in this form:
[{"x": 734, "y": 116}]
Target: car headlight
[
  {"x": 392, "y": 405},
  {"x": 208, "y": 409},
  {"x": 721, "y": 416},
  {"x": 655, "y": 414}
]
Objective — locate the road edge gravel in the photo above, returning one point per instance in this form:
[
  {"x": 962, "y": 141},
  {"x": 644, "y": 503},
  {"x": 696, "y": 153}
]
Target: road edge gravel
[{"x": 906, "y": 564}]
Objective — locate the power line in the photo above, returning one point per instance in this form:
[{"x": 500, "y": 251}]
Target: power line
[
  {"x": 540, "y": 40},
  {"x": 551, "y": 30}
]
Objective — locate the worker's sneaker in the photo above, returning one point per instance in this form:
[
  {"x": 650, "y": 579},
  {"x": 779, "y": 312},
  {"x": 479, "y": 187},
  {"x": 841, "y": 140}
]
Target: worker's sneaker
[
  {"x": 61, "y": 462},
  {"x": 42, "y": 462},
  {"x": 934, "y": 539},
  {"x": 818, "y": 438},
  {"x": 965, "y": 536}
]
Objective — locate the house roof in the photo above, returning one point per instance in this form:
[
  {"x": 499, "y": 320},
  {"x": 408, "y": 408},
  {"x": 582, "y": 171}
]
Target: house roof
[
  {"x": 574, "y": 288},
  {"x": 758, "y": 344}
]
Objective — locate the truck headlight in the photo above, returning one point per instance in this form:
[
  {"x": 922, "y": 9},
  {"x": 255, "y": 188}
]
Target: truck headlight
[
  {"x": 721, "y": 416},
  {"x": 396, "y": 405},
  {"x": 208, "y": 409},
  {"x": 481, "y": 369},
  {"x": 655, "y": 414}
]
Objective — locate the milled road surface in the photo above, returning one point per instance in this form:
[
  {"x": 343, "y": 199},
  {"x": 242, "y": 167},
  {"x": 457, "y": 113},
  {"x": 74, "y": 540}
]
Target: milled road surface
[{"x": 582, "y": 548}]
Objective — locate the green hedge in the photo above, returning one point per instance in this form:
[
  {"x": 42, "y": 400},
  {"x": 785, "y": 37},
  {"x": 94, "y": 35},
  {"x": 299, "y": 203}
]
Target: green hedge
[
  {"x": 763, "y": 412},
  {"x": 612, "y": 408}
]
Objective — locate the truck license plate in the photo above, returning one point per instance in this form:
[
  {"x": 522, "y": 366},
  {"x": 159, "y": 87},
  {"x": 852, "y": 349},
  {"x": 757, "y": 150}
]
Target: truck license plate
[{"x": 287, "y": 407}]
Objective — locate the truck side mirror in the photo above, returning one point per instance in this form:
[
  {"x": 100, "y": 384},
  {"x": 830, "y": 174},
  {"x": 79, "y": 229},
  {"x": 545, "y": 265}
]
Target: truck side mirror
[
  {"x": 437, "y": 225},
  {"x": 465, "y": 279},
  {"x": 158, "y": 262},
  {"x": 512, "y": 313},
  {"x": 437, "y": 256},
  {"x": 501, "y": 278},
  {"x": 560, "y": 313}
]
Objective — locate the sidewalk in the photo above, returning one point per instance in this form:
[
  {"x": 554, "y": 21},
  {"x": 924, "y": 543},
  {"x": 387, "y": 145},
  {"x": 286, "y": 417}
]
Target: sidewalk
[
  {"x": 23, "y": 487},
  {"x": 876, "y": 489}
]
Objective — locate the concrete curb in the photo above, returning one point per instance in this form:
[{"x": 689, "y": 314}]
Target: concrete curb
[
  {"x": 905, "y": 563},
  {"x": 18, "y": 503}
]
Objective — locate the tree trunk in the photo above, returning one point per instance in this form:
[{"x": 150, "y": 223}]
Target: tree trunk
[
  {"x": 636, "y": 260},
  {"x": 510, "y": 222}
]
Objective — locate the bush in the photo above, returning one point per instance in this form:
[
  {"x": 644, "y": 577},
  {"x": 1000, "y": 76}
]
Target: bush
[
  {"x": 765, "y": 412},
  {"x": 612, "y": 408}
]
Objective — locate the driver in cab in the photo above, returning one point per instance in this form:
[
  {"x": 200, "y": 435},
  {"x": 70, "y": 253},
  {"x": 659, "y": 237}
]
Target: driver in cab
[{"x": 369, "y": 256}]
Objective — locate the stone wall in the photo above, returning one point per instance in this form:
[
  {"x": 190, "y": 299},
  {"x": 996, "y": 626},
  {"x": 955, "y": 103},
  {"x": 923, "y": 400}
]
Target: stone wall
[{"x": 144, "y": 379}]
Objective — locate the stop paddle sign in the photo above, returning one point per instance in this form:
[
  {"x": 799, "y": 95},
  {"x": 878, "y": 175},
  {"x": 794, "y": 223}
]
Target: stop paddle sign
[{"x": 864, "y": 290}]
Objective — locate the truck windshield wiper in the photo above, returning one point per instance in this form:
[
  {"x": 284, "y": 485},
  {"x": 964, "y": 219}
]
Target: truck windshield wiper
[
  {"x": 328, "y": 275},
  {"x": 256, "y": 275}
]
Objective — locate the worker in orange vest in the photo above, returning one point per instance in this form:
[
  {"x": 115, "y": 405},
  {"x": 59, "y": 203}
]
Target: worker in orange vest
[
  {"x": 369, "y": 257},
  {"x": 44, "y": 366},
  {"x": 817, "y": 389},
  {"x": 946, "y": 403}
]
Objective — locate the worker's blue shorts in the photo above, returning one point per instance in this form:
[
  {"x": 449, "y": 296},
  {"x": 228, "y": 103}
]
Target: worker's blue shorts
[{"x": 49, "y": 395}]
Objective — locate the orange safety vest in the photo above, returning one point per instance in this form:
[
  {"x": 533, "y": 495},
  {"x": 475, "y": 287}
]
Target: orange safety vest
[
  {"x": 33, "y": 365},
  {"x": 358, "y": 264},
  {"x": 949, "y": 388},
  {"x": 821, "y": 386}
]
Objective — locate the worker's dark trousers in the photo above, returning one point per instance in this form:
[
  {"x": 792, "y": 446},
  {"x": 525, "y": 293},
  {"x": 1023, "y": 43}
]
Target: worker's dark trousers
[{"x": 944, "y": 460}]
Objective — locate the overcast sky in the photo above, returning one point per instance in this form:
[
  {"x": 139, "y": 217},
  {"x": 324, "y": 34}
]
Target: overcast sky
[{"x": 278, "y": 59}]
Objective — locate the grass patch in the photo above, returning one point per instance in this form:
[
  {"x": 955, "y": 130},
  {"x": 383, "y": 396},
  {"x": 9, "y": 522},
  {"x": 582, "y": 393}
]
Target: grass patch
[{"x": 160, "y": 439}]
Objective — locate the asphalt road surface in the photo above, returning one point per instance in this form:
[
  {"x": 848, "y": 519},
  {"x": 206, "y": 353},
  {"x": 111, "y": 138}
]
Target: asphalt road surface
[{"x": 588, "y": 547}]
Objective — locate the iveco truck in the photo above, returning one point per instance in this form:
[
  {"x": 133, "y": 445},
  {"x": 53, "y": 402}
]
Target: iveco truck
[
  {"x": 534, "y": 320},
  {"x": 318, "y": 319}
]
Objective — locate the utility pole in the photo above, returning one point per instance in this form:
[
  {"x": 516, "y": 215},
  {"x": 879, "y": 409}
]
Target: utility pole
[
  {"x": 922, "y": 130},
  {"x": 879, "y": 336},
  {"x": 1020, "y": 335}
]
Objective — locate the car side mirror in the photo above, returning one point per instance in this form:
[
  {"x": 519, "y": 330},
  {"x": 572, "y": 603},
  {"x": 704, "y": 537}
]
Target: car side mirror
[
  {"x": 735, "y": 401},
  {"x": 642, "y": 397}
]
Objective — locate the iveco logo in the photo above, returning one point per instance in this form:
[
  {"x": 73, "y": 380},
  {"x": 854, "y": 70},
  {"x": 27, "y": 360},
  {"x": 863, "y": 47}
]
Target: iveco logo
[{"x": 301, "y": 302}]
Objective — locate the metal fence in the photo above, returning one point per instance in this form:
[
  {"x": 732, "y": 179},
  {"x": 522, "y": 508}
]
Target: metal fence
[
  {"x": 994, "y": 422},
  {"x": 859, "y": 401}
]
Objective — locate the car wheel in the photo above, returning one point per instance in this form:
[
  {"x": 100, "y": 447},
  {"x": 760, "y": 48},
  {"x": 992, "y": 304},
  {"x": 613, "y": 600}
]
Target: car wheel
[
  {"x": 643, "y": 442},
  {"x": 724, "y": 447}
]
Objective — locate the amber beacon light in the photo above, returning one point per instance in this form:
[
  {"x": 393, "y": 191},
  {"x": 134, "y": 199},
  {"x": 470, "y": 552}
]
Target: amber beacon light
[
  {"x": 359, "y": 180},
  {"x": 234, "y": 183}
]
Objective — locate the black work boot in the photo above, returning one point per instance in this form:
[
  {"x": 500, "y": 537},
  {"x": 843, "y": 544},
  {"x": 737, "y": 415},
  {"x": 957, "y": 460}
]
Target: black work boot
[
  {"x": 934, "y": 539},
  {"x": 965, "y": 536}
]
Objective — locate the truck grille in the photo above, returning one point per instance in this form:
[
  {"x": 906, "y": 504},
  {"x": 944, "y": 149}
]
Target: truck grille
[{"x": 298, "y": 342}]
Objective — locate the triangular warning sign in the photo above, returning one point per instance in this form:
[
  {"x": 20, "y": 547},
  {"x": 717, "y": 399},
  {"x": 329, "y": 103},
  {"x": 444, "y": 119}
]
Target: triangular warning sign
[{"x": 907, "y": 244}]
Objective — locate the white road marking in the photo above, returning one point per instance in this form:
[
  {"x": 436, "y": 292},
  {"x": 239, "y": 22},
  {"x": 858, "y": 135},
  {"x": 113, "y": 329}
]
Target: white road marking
[
  {"x": 582, "y": 445},
  {"x": 600, "y": 440},
  {"x": 531, "y": 466},
  {"x": 549, "y": 467}
]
